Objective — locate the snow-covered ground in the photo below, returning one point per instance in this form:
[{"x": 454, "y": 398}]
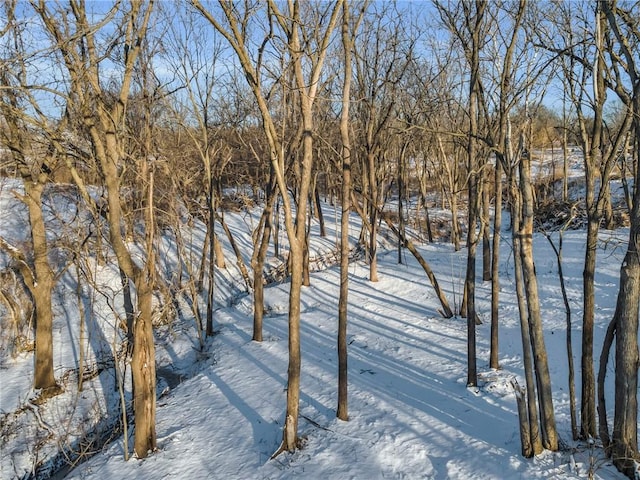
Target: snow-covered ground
[{"x": 411, "y": 414}]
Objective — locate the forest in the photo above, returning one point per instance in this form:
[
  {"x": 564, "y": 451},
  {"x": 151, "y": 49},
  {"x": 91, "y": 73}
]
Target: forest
[{"x": 163, "y": 164}]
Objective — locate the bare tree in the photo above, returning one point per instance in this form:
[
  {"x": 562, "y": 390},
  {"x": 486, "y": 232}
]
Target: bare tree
[
  {"x": 582, "y": 52},
  {"x": 510, "y": 87},
  {"x": 381, "y": 61},
  {"x": 101, "y": 110},
  {"x": 197, "y": 70},
  {"x": 522, "y": 231},
  {"x": 623, "y": 41},
  {"x": 467, "y": 22},
  {"x": 32, "y": 140},
  {"x": 347, "y": 44},
  {"x": 572, "y": 387},
  {"x": 305, "y": 61}
]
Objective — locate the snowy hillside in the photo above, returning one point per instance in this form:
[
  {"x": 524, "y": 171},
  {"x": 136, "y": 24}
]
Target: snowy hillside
[{"x": 220, "y": 413}]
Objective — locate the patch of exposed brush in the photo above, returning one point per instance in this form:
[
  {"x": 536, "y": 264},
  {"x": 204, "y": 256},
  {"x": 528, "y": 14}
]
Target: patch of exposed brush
[{"x": 553, "y": 214}]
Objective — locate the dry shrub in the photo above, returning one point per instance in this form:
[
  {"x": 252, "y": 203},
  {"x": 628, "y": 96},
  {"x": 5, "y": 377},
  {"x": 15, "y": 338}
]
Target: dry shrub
[
  {"x": 553, "y": 214},
  {"x": 16, "y": 314},
  {"x": 236, "y": 202}
]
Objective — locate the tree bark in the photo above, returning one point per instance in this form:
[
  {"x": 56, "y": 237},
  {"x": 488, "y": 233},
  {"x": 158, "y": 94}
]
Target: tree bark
[
  {"x": 588, "y": 411},
  {"x": 523, "y": 419},
  {"x": 549, "y": 434},
  {"x": 475, "y": 20},
  {"x": 603, "y": 427},
  {"x": 342, "y": 412},
  {"x": 41, "y": 289},
  {"x": 486, "y": 236},
  {"x": 373, "y": 217},
  {"x": 258, "y": 259},
  {"x": 624, "y": 441},
  {"x": 525, "y": 331},
  {"x": 144, "y": 374},
  {"x": 494, "y": 361}
]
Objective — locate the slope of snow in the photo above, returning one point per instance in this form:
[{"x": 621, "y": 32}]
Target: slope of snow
[{"x": 411, "y": 413}]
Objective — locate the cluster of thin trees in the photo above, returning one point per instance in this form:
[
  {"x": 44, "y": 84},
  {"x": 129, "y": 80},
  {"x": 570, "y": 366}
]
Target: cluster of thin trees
[{"x": 151, "y": 110}]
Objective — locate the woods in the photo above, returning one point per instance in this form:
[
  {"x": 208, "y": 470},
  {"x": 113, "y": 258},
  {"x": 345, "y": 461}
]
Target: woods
[{"x": 152, "y": 117}]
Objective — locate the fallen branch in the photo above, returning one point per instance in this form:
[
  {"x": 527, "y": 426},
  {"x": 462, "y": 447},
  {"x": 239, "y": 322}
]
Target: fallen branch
[{"x": 446, "y": 311}]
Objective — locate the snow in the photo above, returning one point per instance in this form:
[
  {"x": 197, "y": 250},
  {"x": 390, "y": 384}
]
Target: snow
[{"x": 411, "y": 415}]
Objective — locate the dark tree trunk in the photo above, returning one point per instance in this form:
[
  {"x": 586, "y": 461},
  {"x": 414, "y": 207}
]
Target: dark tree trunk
[
  {"x": 588, "y": 410},
  {"x": 319, "y": 214},
  {"x": 373, "y": 219},
  {"x": 486, "y": 235},
  {"x": 624, "y": 440},
  {"x": 342, "y": 411},
  {"x": 603, "y": 426},
  {"x": 211, "y": 218},
  {"x": 495, "y": 269},
  {"x": 258, "y": 259},
  {"x": 128, "y": 308}
]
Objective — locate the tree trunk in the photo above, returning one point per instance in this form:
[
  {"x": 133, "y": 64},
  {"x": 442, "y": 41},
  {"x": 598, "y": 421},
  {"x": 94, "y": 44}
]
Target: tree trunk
[
  {"x": 455, "y": 225},
  {"x": 470, "y": 289},
  {"x": 588, "y": 411},
  {"x": 603, "y": 427},
  {"x": 41, "y": 288},
  {"x": 624, "y": 440},
  {"x": 44, "y": 378},
  {"x": 401, "y": 194},
  {"x": 473, "y": 191},
  {"x": 523, "y": 419},
  {"x": 290, "y": 433},
  {"x": 494, "y": 361},
  {"x": 319, "y": 214},
  {"x": 276, "y": 230},
  {"x": 373, "y": 218},
  {"x": 472, "y": 218},
  {"x": 129, "y": 311},
  {"x": 342, "y": 411},
  {"x": 569, "y": 344},
  {"x": 211, "y": 271},
  {"x": 219, "y": 252},
  {"x": 36, "y": 273},
  {"x": 306, "y": 274},
  {"x": 549, "y": 434},
  {"x": 143, "y": 370},
  {"x": 533, "y": 427},
  {"x": 234, "y": 246},
  {"x": 258, "y": 259},
  {"x": 486, "y": 236}
]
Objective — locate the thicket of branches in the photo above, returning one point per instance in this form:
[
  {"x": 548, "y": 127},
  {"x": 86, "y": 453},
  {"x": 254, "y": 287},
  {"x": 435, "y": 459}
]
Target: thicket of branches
[{"x": 153, "y": 115}]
